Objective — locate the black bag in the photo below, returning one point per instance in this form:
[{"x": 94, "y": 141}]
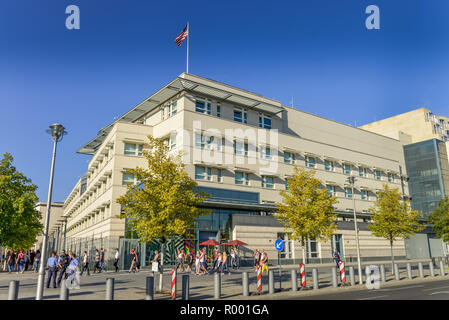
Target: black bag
[{"x": 64, "y": 261}]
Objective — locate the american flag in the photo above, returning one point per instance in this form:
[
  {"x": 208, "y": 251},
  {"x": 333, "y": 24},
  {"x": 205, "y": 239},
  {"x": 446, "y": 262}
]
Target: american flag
[{"x": 182, "y": 36}]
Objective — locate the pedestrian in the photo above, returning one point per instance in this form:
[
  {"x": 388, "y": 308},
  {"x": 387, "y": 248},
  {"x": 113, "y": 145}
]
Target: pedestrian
[
  {"x": 32, "y": 255},
  {"x": 224, "y": 264},
  {"x": 11, "y": 261},
  {"x": 256, "y": 259},
  {"x": 102, "y": 260},
  {"x": 85, "y": 264},
  {"x": 37, "y": 258},
  {"x": 180, "y": 260},
  {"x": 336, "y": 256},
  {"x": 117, "y": 257},
  {"x": 157, "y": 259},
  {"x": 197, "y": 262},
  {"x": 20, "y": 262},
  {"x": 203, "y": 257},
  {"x": 72, "y": 279},
  {"x": 97, "y": 261},
  {"x": 233, "y": 259},
  {"x": 27, "y": 260},
  {"x": 214, "y": 266},
  {"x": 134, "y": 261},
  {"x": 52, "y": 264},
  {"x": 263, "y": 260},
  {"x": 190, "y": 260},
  {"x": 63, "y": 263}
]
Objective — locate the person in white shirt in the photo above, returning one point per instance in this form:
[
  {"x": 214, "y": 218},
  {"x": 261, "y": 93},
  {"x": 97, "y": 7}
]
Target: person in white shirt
[
  {"x": 117, "y": 257},
  {"x": 85, "y": 264}
]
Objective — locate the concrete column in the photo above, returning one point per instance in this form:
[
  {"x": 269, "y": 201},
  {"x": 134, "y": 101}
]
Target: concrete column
[
  {"x": 409, "y": 270},
  {"x": 217, "y": 285},
  {"x": 270, "y": 281},
  {"x": 64, "y": 294},
  {"x": 294, "y": 280},
  {"x": 185, "y": 287},
  {"x": 431, "y": 269},
  {"x": 315, "y": 279},
  {"x": 420, "y": 269},
  {"x": 334, "y": 277},
  {"x": 150, "y": 289},
  {"x": 109, "y": 289},
  {"x": 352, "y": 275},
  {"x": 13, "y": 293},
  {"x": 245, "y": 284},
  {"x": 382, "y": 273},
  {"x": 396, "y": 272},
  {"x": 442, "y": 273}
]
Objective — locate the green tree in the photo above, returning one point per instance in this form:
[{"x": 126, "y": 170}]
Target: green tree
[
  {"x": 19, "y": 220},
  {"x": 393, "y": 218},
  {"x": 439, "y": 218},
  {"x": 164, "y": 202},
  {"x": 307, "y": 210}
]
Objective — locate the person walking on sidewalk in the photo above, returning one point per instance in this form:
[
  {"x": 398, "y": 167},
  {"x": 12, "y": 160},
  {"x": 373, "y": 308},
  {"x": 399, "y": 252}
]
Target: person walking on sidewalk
[
  {"x": 97, "y": 261},
  {"x": 52, "y": 264},
  {"x": 102, "y": 260},
  {"x": 256, "y": 259},
  {"x": 20, "y": 262},
  {"x": 157, "y": 259},
  {"x": 134, "y": 261},
  {"x": 11, "y": 261},
  {"x": 85, "y": 264},
  {"x": 336, "y": 256},
  {"x": 37, "y": 259},
  {"x": 263, "y": 260},
  {"x": 116, "y": 258},
  {"x": 180, "y": 261},
  {"x": 63, "y": 263},
  {"x": 224, "y": 263}
]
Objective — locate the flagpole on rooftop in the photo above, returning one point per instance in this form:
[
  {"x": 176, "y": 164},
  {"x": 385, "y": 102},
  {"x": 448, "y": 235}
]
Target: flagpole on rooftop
[{"x": 188, "y": 36}]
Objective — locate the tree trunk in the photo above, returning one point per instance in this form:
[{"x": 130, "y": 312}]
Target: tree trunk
[
  {"x": 392, "y": 258},
  {"x": 163, "y": 240}
]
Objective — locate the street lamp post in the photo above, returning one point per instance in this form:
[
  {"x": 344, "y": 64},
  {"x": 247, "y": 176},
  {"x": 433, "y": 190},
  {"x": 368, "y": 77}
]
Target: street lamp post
[
  {"x": 57, "y": 132},
  {"x": 351, "y": 180}
]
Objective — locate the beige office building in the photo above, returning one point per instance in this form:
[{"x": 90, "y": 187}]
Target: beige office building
[
  {"x": 240, "y": 147},
  {"x": 55, "y": 224}
]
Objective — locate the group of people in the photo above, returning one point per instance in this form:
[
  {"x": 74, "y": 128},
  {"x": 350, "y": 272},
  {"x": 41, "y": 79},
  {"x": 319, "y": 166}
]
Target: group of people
[
  {"x": 21, "y": 260},
  {"x": 260, "y": 260},
  {"x": 197, "y": 263},
  {"x": 64, "y": 264}
]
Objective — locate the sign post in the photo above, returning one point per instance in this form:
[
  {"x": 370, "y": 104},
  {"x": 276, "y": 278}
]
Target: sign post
[{"x": 279, "y": 245}]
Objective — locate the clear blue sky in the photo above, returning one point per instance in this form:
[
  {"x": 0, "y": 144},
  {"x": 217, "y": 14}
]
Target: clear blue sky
[{"x": 319, "y": 52}]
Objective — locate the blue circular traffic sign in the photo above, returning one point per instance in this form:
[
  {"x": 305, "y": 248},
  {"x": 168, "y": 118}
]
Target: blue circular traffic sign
[{"x": 279, "y": 244}]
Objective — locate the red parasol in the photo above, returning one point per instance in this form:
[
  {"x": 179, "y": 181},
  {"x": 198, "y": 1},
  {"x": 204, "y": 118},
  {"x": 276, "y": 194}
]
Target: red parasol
[
  {"x": 210, "y": 242},
  {"x": 235, "y": 243}
]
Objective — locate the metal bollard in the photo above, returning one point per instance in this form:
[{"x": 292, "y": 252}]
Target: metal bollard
[
  {"x": 150, "y": 289},
  {"x": 109, "y": 289},
  {"x": 352, "y": 276},
  {"x": 442, "y": 273},
  {"x": 396, "y": 272},
  {"x": 315, "y": 279},
  {"x": 382, "y": 273},
  {"x": 420, "y": 269},
  {"x": 245, "y": 284},
  {"x": 270, "y": 281},
  {"x": 185, "y": 287},
  {"x": 409, "y": 270},
  {"x": 64, "y": 294},
  {"x": 217, "y": 285},
  {"x": 161, "y": 278},
  {"x": 294, "y": 280},
  {"x": 13, "y": 293},
  {"x": 334, "y": 277},
  {"x": 431, "y": 269}
]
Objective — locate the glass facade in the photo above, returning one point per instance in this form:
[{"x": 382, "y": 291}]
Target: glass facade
[{"x": 426, "y": 186}]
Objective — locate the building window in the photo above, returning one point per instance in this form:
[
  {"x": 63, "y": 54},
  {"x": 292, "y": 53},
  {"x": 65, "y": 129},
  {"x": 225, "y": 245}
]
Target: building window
[
  {"x": 346, "y": 168},
  {"x": 265, "y": 153},
  {"x": 310, "y": 162},
  {"x": 203, "y": 142},
  {"x": 289, "y": 157},
  {"x": 240, "y": 115},
  {"x": 362, "y": 172},
  {"x": 202, "y": 105},
  {"x": 377, "y": 175},
  {"x": 172, "y": 141},
  {"x": 390, "y": 177},
  {"x": 364, "y": 195},
  {"x": 128, "y": 178},
  {"x": 203, "y": 173},
  {"x": 286, "y": 184},
  {"x": 132, "y": 149},
  {"x": 328, "y": 165},
  {"x": 240, "y": 148},
  {"x": 267, "y": 182},
  {"x": 218, "y": 110},
  {"x": 264, "y": 121},
  {"x": 241, "y": 178},
  {"x": 348, "y": 193},
  {"x": 331, "y": 190},
  {"x": 219, "y": 175}
]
